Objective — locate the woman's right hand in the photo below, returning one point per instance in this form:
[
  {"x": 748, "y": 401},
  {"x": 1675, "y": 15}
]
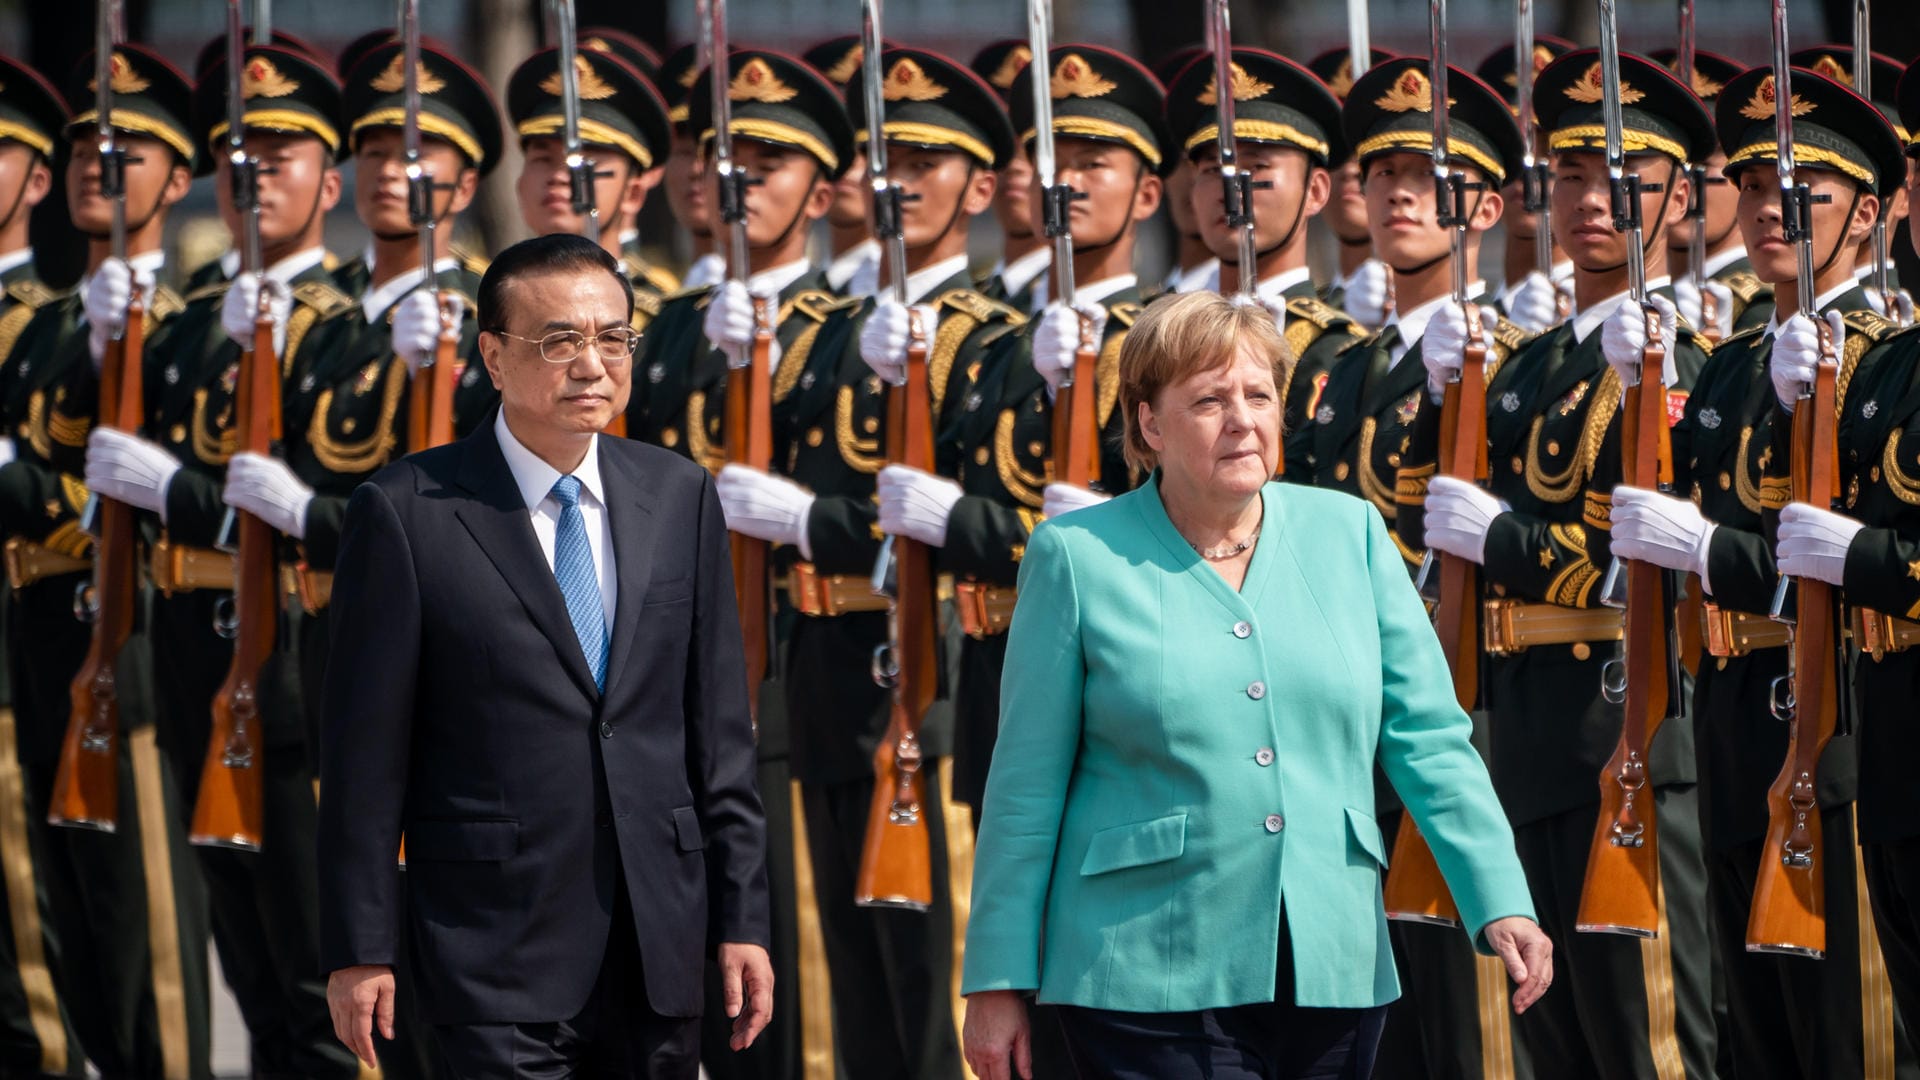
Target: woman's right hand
[{"x": 997, "y": 1030}]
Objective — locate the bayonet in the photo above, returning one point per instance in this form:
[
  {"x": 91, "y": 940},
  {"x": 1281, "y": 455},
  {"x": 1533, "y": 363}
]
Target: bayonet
[
  {"x": 1236, "y": 183},
  {"x": 1359, "y": 42},
  {"x": 580, "y": 168},
  {"x": 1533, "y": 169},
  {"x": 730, "y": 177},
  {"x": 887, "y": 196},
  {"x": 1863, "y": 83},
  {"x": 1685, "y": 60}
]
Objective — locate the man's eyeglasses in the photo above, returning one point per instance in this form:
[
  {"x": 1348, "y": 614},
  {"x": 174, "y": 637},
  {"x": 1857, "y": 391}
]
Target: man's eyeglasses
[{"x": 615, "y": 346}]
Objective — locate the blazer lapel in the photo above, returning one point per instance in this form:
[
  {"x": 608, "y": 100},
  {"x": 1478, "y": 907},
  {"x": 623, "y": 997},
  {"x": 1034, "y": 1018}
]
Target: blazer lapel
[
  {"x": 497, "y": 517},
  {"x": 631, "y": 520}
]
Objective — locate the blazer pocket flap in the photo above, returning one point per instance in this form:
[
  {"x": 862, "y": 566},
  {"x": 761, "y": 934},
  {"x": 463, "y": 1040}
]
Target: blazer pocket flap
[
  {"x": 686, "y": 829},
  {"x": 1366, "y": 833},
  {"x": 666, "y": 592},
  {"x": 1142, "y": 843},
  {"x": 462, "y": 841}
]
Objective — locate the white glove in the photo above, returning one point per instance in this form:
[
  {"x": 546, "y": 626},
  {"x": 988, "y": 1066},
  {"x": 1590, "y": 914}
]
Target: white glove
[
  {"x": 1796, "y": 354},
  {"x": 1366, "y": 298},
  {"x": 108, "y": 293},
  {"x": 416, "y": 328},
  {"x": 1443, "y": 348},
  {"x": 916, "y": 504},
  {"x": 1066, "y": 498},
  {"x": 1687, "y": 302},
  {"x": 884, "y": 340},
  {"x": 762, "y": 505},
  {"x": 242, "y": 304},
  {"x": 1057, "y": 339},
  {"x": 1623, "y": 338},
  {"x": 1813, "y": 543},
  {"x": 264, "y": 487},
  {"x": 1535, "y": 306},
  {"x": 7, "y": 451},
  {"x": 129, "y": 469},
  {"x": 1902, "y": 312},
  {"x": 1459, "y": 514},
  {"x": 1660, "y": 529},
  {"x": 730, "y": 323}
]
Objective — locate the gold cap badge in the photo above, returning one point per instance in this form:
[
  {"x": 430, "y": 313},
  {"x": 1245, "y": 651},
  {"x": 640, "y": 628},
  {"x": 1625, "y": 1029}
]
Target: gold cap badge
[
  {"x": 1074, "y": 77},
  {"x": 1542, "y": 56},
  {"x": 124, "y": 81},
  {"x": 1832, "y": 68},
  {"x": 1411, "y": 92},
  {"x": 1017, "y": 57},
  {"x": 909, "y": 82},
  {"x": 757, "y": 82},
  {"x": 1764, "y": 102},
  {"x": 1590, "y": 89},
  {"x": 261, "y": 79},
  {"x": 394, "y": 79},
  {"x": 592, "y": 86},
  {"x": 839, "y": 73},
  {"x": 1245, "y": 87},
  {"x": 1342, "y": 82}
]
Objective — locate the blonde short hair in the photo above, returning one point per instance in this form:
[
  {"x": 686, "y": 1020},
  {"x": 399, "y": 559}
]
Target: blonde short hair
[{"x": 1178, "y": 338}]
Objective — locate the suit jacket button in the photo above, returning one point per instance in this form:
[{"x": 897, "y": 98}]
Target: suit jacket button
[
  {"x": 1275, "y": 823},
  {"x": 1263, "y": 756},
  {"x": 1242, "y": 630},
  {"x": 1257, "y": 691},
  {"x": 606, "y": 729}
]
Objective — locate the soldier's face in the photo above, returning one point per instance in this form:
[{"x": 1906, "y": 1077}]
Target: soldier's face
[
  {"x": 24, "y": 181},
  {"x": 1014, "y": 195},
  {"x": 380, "y": 180},
  {"x": 1346, "y": 210},
  {"x": 949, "y": 188},
  {"x": 298, "y": 186},
  {"x": 1296, "y": 190},
  {"x": 1723, "y": 208},
  {"x": 1775, "y": 260},
  {"x": 1180, "y": 205},
  {"x": 1583, "y": 209},
  {"x": 1400, "y": 213},
  {"x": 155, "y": 179},
  {"x": 789, "y": 188},
  {"x": 576, "y": 398},
  {"x": 545, "y": 193},
  {"x": 686, "y": 184},
  {"x": 851, "y": 196},
  {"x": 1120, "y": 190}
]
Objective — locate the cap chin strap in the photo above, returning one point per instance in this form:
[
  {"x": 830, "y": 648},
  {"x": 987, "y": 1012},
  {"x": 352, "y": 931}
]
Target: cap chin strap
[
  {"x": 1125, "y": 226},
  {"x": 1479, "y": 197},
  {"x": 1841, "y": 240},
  {"x": 1299, "y": 214},
  {"x": 19, "y": 198},
  {"x": 959, "y": 207},
  {"x": 1649, "y": 239}
]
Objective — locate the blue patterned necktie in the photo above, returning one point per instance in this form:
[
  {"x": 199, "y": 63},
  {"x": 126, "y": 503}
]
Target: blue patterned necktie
[{"x": 579, "y": 582}]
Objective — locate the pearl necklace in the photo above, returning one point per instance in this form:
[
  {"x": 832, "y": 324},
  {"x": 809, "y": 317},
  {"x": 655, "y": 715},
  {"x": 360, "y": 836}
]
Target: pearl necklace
[{"x": 1225, "y": 551}]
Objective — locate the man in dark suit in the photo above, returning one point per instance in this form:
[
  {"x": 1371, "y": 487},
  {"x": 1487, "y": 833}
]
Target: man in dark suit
[{"x": 537, "y": 677}]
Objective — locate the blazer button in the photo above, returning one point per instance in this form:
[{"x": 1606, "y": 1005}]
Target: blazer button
[
  {"x": 1242, "y": 630},
  {"x": 1263, "y": 756},
  {"x": 606, "y": 729},
  {"x": 1257, "y": 691},
  {"x": 1275, "y": 823}
]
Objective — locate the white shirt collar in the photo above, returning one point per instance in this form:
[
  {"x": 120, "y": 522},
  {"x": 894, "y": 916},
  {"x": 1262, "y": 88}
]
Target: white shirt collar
[
  {"x": 1099, "y": 290},
  {"x": 150, "y": 261},
  {"x": 1562, "y": 271},
  {"x": 773, "y": 281},
  {"x": 1345, "y": 281},
  {"x": 1019, "y": 273},
  {"x": 1413, "y": 324},
  {"x": 923, "y": 281},
  {"x": 283, "y": 271},
  {"x": 13, "y": 259},
  {"x": 1820, "y": 303},
  {"x": 383, "y": 296},
  {"x": 1201, "y": 277},
  {"x": 1717, "y": 263},
  {"x": 705, "y": 270},
  {"x": 1274, "y": 287},
  {"x": 845, "y": 265},
  {"x": 629, "y": 236},
  {"x": 1587, "y": 320},
  {"x": 535, "y": 477}
]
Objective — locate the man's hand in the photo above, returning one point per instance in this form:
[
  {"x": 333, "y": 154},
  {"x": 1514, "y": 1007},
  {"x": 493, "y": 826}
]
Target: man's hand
[
  {"x": 1528, "y": 954},
  {"x": 357, "y": 997},
  {"x": 997, "y": 1029},
  {"x": 746, "y": 979}
]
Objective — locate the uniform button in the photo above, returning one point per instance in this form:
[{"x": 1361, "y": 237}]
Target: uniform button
[
  {"x": 606, "y": 729},
  {"x": 1275, "y": 823},
  {"x": 1263, "y": 756},
  {"x": 1257, "y": 691},
  {"x": 1242, "y": 630}
]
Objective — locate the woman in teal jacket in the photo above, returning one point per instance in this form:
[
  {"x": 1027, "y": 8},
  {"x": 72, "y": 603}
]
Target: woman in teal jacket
[{"x": 1177, "y": 844}]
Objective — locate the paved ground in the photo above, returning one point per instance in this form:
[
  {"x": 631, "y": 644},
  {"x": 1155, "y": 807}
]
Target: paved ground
[{"x": 229, "y": 1032}]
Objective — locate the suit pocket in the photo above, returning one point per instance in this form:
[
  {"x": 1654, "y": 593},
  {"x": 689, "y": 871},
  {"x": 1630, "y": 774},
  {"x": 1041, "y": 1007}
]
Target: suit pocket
[
  {"x": 667, "y": 592},
  {"x": 1366, "y": 834},
  {"x": 462, "y": 841},
  {"x": 1142, "y": 843},
  {"x": 686, "y": 829}
]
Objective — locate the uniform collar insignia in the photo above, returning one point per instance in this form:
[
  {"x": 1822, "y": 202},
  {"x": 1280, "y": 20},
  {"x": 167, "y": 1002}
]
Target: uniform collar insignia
[
  {"x": 1510, "y": 402},
  {"x": 1869, "y": 410},
  {"x": 1324, "y": 415},
  {"x": 1710, "y": 418}
]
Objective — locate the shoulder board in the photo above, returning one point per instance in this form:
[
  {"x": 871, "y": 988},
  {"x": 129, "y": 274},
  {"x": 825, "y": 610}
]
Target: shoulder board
[
  {"x": 647, "y": 304},
  {"x": 996, "y": 331},
  {"x": 471, "y": 262},
  {"x": 33, "y": 293},
  {"x": 688, "y": 294},
  {"x": 819, "y": 305},
  {"x": 1751, "y": 332},
  {"x": 1323, "y": 315},
  {"x": 166, "y": 304},
  {"x": 1125, "y": 314},
  {"x": 979, "y": 308},
  {"x": 1875, "y": 326},
  {"x": 1744, "y": 285},
  {"x": 1360, "y": 342},
  {"x": 323, "y": 298},
  {"x": 1686, "y": 332},
  {"x": 208, "y": 292},
  {"x": 1510, "y": 334}
]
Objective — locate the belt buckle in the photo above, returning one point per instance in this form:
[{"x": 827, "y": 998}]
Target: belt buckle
[
  {"x": 16, "y": 561},
  {"x": 165, "y": 567},
  {"x": 309, "y": 590},
  {"x": 1498, "y": 630},
  {"x": 1876, "y": 633},
  {"x": 1718, "y": 623},
  {"x": 805, "y": 586},
  {"x": 970, "y": 602}
]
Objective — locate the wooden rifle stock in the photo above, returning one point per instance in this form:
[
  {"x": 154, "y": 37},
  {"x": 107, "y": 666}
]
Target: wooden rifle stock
[
  {"x": 86, "y": 787},
  {"x": 1621, "y": 893},
  {"x": 896, "y": 861},
  {"x": 1789, "y": 894},
  {"x": 749, "y": 433},
  {"x": 430, "y": 409},
  {"x": 1415, "y": 890},
  {"x": 228, "y": 812},
  {"x": 1076, "y": 432}
]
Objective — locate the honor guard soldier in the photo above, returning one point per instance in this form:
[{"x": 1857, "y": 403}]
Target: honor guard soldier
[
  {"x": 124, "y": 919},
  {"x": 1638, "y": 1007},
  {"x": 1836, "y": 62},
  {"x": 1852, "y": 160},
  {"x": 1021, "y": 273},
  {"x": 637, "y": 54},
  {"x": 1741, "y": 300},
  {"x": 1534, "y": 298},
  {"x": 853, "y": 263},
  {"x": 261, "y": 902},
  {"x": 624, "y": 129},
  {"x": 1194, "y": 265},
  {"x": 1287, "y": 126},
  {"x": 1869, "y": 546},
  {"x": 1361, "y": 284},
  {"x": 685, "y": 181}
]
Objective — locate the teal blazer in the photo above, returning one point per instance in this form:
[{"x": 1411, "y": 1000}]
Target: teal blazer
[{"x": 1177, "y": 759}]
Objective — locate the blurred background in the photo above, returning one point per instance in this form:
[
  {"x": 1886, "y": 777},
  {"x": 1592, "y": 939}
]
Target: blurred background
[{"x": 495, "y": 35}]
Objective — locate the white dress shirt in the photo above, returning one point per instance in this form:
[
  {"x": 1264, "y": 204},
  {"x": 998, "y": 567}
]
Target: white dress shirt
[
  {"x": 1587, "y": 320},
  {"x": 1413, "y": 324},
  {"x": 383, "y": 296},
  {"x": 1273, "y": 290},
  {"x": 536, "y": 478},
  {"x": 15, "y": 258},
  {"x": 1096, "y": 292},
  {"x": 706, "y": 270},
  {"x": 922, "y": 282},
  {"x": 1717, "y": 263},
  {"x": 774, "y": 280},
  {"x": 1026, "y": 270},
  {"x": 1200, "y": 277},
  {"x": 151, "y": 262},
  {"x": 1820, "y": 304},
  {"x": 281, "y": 272}
]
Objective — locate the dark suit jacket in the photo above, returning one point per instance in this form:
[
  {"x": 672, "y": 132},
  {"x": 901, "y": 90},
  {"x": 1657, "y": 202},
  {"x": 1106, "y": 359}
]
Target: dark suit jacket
[{"x": 459, "y": 708}]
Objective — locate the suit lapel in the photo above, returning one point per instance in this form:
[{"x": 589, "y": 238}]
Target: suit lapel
[
  {"x": 497, "y": 517},
  {"x": 631, "y": 520}
]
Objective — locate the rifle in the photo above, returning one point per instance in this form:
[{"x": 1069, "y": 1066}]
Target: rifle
[
  {"x": 1863, "y": 84},
  {"x": 1534, "y": 176},
  {"x": 1415, "y": 890},
  {"x": 228, "y": 812},
  {"x": 749, "y": 415},
  {"x": 1620, "y": 894},
  {"x": 86, "y": 786},
  {"x": 1789, "y": 893},
  {"x": 1697, "y": 197},
  {"x": 1236, "y": 184},
  {"x": 430, "y": 407},
  {"x": 1359, "y": 40},
  {"x": 1076, "y": 435},
  {"x": 896, "y": 862}
]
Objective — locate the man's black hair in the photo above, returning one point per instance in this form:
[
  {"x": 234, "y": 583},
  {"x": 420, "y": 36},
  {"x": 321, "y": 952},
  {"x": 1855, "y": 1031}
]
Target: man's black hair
[{"x": 553, "y": 254}]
